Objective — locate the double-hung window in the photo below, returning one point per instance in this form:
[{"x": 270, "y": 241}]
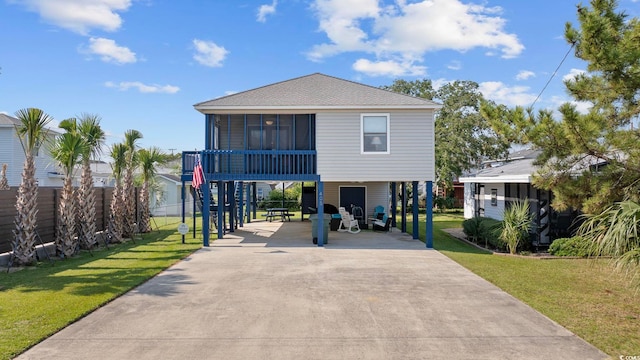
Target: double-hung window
[{"x": 375, "y": 133}]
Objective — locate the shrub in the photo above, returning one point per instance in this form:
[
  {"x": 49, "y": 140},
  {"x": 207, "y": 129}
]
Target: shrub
[
  {"x": 490, "y": 230},
  {"x": 275, "y": 200},
  {"x": 471, "y": 228},
  {"x": 573, "y": 246},
  {"x": 516, "y": 223}
]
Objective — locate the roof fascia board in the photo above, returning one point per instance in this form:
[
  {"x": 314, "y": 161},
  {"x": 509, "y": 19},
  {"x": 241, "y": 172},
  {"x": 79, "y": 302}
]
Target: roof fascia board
[
  {"x": 497, "y": 179},
  {"x": 243, "y": 109}
]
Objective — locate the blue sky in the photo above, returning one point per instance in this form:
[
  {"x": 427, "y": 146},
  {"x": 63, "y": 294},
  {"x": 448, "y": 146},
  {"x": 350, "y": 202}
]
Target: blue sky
[{"x": 142, "y": 64}]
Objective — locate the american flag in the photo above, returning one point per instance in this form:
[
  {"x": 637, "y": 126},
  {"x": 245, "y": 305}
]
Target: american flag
[{"x": 198, "y": 174}]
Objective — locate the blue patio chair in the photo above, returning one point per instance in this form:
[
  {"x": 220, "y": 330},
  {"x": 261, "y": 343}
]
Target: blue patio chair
[{"x": 378, "y": 212}]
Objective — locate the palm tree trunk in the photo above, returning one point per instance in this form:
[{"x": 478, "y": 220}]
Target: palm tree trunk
[
  {"x": 66, "y": 241},
  {"x": 145, "y": 223},
  {"x": 114, "y": 228},
  {"x": 4, "y": 183},
  {"x": 87, "y": 208},
  {"x": 24, "y": 244},
  {"x": 129, "y": 203}
]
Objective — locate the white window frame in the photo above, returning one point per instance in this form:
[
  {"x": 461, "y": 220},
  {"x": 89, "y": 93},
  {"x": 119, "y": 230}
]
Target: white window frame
[{"x": 362, "y": 151}]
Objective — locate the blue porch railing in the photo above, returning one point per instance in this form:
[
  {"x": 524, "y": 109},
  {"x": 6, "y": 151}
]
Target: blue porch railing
[{"x": 252, "y": 164}]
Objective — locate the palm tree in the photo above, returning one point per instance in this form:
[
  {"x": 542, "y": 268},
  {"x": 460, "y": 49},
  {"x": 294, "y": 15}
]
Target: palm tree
[
  {"x": 116, "y": 208},
  {"x": 516, "y": 222},
  {"x": 148, "y": 159},
  {"x": 128, "y": 188},
  {"x": 616, "y": 232},
  {"x": 67, "y": 150},
  {"x": 88, "y": 128},
  {"x": 32, "y": 133}
]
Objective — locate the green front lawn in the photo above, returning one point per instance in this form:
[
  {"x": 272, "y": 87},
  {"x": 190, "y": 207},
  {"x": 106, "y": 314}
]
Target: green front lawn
[
  {"x": 37, "y": 301},
  {"x": 584, "y": 296}
]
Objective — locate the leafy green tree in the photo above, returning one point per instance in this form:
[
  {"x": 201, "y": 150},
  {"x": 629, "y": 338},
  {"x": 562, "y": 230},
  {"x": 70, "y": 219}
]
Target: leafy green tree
[
  {"x": 32, "y": 133},
  {"x": 463, "y": 137},
  {"x": 588, "y": 160}
]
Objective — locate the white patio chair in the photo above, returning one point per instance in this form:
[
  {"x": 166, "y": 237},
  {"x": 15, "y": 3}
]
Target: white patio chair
[{"x": 348, "y": 223}]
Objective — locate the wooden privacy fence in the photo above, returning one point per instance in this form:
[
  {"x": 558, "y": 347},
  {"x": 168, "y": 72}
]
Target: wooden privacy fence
[{"x": 48, "y": 198}]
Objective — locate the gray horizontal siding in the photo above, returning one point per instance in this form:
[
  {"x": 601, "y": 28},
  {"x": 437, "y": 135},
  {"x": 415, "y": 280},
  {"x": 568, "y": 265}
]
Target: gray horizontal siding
[{"x": 411, "y": 148}]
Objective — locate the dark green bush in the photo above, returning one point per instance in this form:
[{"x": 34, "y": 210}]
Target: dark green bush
[
  {"x": 490, "y": 230},
  {"x": 484, "y": 232},
  {"x": 471, "y": 228},
  {"x": 274, "y": 200},
  {"x": 573, "y": 246}
]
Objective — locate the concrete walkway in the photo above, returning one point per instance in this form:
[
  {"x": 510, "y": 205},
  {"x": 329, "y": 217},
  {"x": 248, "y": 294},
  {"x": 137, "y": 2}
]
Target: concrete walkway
[{"x": 268, "y": 293}]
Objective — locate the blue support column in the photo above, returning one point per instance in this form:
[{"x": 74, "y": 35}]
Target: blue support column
[
  {"x": 182, "y": 196},
  {"x": 220, "y": 209},
  {"x": 429, "y": 229},
  {"x": 403, "y": 208},
  {"x": 320, "y": 213},
  {"x": 206, "y": 191},
  {"x": 394, "y": 203},
  {"x": 232, "y": 208},
  {"x": 248, "y": 197},
  {"x": 254, "y": 198},
  {"x": 241, "y": 204},
  {"x": 414, "y": 206},
  {"x": 194, "y": 213}
]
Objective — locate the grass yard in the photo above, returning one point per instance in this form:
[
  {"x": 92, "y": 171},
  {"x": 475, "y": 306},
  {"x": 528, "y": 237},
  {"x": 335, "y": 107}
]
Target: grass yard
[
  {"x": 37, "y": 301},
  {"x": 584, "y": 296}
]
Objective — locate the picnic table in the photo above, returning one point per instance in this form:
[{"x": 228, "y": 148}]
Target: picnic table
[{"x": 282, "y": 213}]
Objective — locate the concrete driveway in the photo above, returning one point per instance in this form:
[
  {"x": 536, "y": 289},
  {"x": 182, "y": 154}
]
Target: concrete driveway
[{"x": 267, "y": 293}]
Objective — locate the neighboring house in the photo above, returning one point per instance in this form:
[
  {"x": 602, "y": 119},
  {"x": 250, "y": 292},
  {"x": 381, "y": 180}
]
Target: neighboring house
[
  {"x": 100, "y": 171},
  {"x": 352, "y": 140},
  {"x": 11, "y": 153},
  {"x": 166, "y": 197},
  {"x": 490, "y": 190}
]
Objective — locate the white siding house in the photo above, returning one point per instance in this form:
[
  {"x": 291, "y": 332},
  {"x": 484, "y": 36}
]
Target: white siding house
[
  {"x": 352, "y": 139},
  {"x": 11, "y": 153},
  {"x": 491, "y": 189}
]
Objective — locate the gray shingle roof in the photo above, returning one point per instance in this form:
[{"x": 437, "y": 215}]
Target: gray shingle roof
[
  {"x": 10, "y": 121},
  {"x": 315, "y": 91},
  {"x": 6, "y": 120}
]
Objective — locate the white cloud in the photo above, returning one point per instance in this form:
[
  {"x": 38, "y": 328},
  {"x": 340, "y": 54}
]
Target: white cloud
[
  {"x": 208, "y": 53},
  {"x": 572, "y": 74},
  {"x": 582, "y": 107},
  {"x": 454, "y": 65},
  {"x": 80, "y": 16},
  {"x": 388, "y": 68},
  {"x": 409, "y": 30},
  {"x": 525, "y": 74},
  {"x": 143, "y": 88},
  {"x": 507, "y": 95},
  {"x": 111, "y": 52},
  {"x": 265, "y": 10}
]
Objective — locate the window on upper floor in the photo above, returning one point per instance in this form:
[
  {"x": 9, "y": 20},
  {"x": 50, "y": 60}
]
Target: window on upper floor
[{"x": 375, "y": 133}]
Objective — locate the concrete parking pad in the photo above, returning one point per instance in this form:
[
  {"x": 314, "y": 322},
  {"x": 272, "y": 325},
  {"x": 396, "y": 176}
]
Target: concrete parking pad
[{"x": 267, "y": 292}]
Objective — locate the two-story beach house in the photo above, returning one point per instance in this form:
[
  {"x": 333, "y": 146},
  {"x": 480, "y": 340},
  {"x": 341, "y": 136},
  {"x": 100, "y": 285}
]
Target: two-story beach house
[{"x": 355, "y": 142}]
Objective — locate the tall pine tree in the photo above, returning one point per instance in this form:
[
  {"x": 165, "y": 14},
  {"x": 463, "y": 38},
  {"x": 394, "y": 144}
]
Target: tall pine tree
[{"x": 588, "y": 160}]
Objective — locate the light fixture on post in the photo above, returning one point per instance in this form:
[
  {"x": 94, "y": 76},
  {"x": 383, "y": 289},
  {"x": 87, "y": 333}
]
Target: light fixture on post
[{"x": 269, "y": 122}]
